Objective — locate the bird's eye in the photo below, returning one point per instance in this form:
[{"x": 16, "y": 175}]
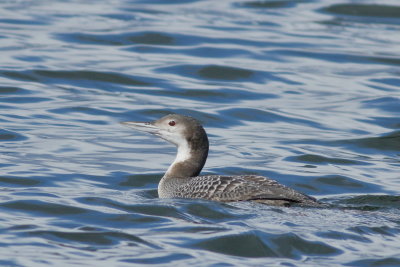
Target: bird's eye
[{"x": 171, "y": 123}]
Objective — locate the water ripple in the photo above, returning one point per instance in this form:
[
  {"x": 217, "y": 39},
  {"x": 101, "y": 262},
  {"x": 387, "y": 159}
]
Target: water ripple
[{"x": 304, "y": 92}]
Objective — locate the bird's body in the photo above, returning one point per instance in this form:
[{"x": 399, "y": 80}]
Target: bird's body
[
  {"x": 182, "y": 181},
  {"x": 233, "y": 188}
]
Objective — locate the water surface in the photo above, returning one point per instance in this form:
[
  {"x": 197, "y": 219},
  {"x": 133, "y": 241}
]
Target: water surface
[{"x": 305, "y": 92}]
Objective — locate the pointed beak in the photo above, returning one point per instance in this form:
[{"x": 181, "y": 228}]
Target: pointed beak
[{"x": 147, "y": 127}]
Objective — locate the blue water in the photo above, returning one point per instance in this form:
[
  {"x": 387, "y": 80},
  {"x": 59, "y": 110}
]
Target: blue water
[{"x": 305, "y": 92}]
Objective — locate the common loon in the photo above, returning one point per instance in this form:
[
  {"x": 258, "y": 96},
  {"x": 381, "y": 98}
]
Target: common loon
[{"x": 182, "y": 181}]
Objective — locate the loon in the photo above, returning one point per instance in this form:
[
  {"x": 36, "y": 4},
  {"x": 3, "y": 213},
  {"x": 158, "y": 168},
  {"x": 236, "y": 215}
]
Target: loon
[{"x": 182, "y": 181}]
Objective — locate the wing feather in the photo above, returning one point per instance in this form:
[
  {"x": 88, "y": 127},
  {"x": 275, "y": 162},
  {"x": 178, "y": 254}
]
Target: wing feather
[{"x": 242, "y": 188}]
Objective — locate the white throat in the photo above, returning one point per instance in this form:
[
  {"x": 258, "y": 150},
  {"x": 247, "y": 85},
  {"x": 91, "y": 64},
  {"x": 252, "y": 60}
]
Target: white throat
[{"x": 183, "y": 154}]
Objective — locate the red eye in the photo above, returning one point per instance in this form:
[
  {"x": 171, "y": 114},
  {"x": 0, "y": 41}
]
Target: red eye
[{"x": 171, "y": 123}]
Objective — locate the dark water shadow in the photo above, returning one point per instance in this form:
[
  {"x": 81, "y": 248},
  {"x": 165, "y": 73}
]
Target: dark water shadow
[
  {"x": 19, "y": 181},
  {"x": 371, "y": 202},
  {"x": 47, "y": 76},
  {"x": 223, "y": 73},
  {"x": 315, "y": 159},
  {"x": 11, "y": 136},
  {"x": 27, "y": 22},
  {"x": 364, "y": 10},
  {"x": 44, "y": 208},
  {"x": 386, "y": 142},
  {"x": 256, "y": 244},
  {"x": 350, "y": 14},
  {"x": 93, "y": 240},
  {"x": 151, "y": 38},
  {"x": 271, "y": 4},
  {"x": 221, "y": 95}
]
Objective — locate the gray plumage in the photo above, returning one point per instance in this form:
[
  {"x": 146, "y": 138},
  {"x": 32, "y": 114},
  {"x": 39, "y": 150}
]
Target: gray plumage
[{"x": 181, "y": 180}]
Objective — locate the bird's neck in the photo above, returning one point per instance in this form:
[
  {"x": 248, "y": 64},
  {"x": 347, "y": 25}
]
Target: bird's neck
[{"x": 190, "y": 159}]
